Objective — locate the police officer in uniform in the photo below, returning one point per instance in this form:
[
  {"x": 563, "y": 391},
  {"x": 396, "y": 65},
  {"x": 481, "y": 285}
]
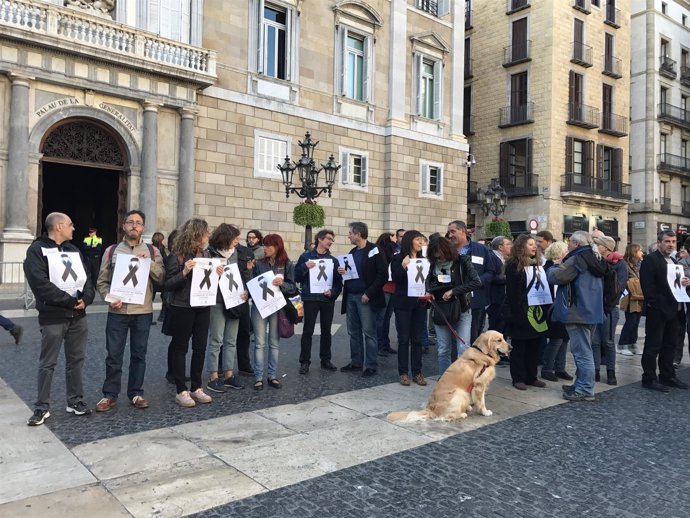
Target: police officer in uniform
[{"x": 92, "y": 249}]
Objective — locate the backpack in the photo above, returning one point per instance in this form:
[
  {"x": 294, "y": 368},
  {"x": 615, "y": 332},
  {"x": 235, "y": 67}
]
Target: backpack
[{"x": 611, "y": 292}]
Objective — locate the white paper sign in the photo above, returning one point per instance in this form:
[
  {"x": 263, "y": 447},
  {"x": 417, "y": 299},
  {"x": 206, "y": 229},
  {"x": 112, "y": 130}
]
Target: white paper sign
[
  {"x": 130, "y": 278},
  {"x": 66, "y": 271},
  {"x": 204, "y": 282},
  {"x": 231, "y": 286},
  {"x": 538, "y": 292},
  {"x": 417, "y": 272},
  {"x": 266, "y": 298},
  {"x": 321, "y": 276},
  {"x": 674, "y": 276},
  {"x": 348, "y": 262}
]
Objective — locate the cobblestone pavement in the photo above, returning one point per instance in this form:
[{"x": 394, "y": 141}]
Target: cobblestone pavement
[
  {"x": 623, "y": 456},
  {"x": 18, "y": 367}
]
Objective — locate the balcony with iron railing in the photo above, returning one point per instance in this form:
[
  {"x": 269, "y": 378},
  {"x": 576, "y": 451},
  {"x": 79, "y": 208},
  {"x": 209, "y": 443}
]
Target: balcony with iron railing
[
  {"x": 581, "y": 5},
  {"x": 668, "y": 163},
  {"x": 518, "y": 53},
  {"x": 665, "y": 205},
  {"x": 471, "y": 192},
  {"x": 468, "y": 124},
  {"x": 583, "y": 115},
  {"x": 612, "y": 16},
  {"x": 580, "y": 184},
  {"x": 674, "y": 115},
  {"x": 514, "y": 115},
  {"x": 667, "y": 67},
  {"x": 516, "y": 5},
  {"x": 613, "y": 124},
  {"x": 469, "y": 16},
  {"x": 520, "y": 185},
  {"x": 40, "y": 24},
  {"x": 581, "y": 54},
  {"x": 613, "y": 66},
  {"x": 685, "y": 75},
  {"x": 468, "y": 68}
]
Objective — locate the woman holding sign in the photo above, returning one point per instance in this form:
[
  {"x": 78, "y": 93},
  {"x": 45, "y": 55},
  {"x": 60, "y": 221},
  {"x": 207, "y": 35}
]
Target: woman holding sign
[
  {"x": 526, "y": 309},
  {"x": 225, "y": 322},
  {"x": 187, "y": 321},
  {"x": 410, "y": 307},
  {"x": 275, "y": 260}
]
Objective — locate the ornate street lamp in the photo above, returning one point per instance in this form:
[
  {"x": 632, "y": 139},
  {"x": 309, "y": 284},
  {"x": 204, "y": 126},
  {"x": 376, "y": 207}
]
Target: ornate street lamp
[
  {"x": 309, "y": 188},
  {"x": 494, "y": 200}
]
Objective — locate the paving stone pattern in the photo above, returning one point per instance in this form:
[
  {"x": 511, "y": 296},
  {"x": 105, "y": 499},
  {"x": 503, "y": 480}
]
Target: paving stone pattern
[
  {"x": 622, "y": 456},
  {"x": 19, "y": 365}
]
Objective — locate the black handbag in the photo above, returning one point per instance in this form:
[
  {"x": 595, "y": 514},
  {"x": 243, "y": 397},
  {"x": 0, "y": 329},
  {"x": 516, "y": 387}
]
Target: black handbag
[
  {"x": 291, "y": 312},
  {"x": 446, "y": 311},
  {"x": 235, "y": 312}
]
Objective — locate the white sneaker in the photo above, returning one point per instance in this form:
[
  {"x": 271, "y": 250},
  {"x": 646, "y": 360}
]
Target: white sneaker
[
  {"x": 200, "y": 396},
  {"x": 184, "y": 399},
  {"x": 626, "y": 352}
]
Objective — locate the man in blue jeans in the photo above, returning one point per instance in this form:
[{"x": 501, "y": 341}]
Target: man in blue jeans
[
  {"x": 579, "y": 305},
  {"x": 123, "y": 317},
  {"x": 363, "y": 298}
]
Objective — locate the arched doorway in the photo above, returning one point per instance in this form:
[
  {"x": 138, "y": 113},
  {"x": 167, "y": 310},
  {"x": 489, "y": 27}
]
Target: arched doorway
[{"x": 83, "y": 174}]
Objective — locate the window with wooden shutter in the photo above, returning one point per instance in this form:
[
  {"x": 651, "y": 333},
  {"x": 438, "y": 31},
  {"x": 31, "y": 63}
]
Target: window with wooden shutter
[{"x": 589, "y": 158}]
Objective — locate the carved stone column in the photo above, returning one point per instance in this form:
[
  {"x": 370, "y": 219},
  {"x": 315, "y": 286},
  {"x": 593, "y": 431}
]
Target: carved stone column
[
  {"x": 148, "y": 198},
  {"x": 185, "y": 182}
]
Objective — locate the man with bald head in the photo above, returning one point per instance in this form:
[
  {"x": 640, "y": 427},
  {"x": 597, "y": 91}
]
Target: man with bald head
[{"x": 55, "y": 271}]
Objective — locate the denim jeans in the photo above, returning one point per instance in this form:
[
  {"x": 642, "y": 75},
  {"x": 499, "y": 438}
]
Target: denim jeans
[
  {"x": 222, "y": 333},
  {"x": 410, "y": 325},
  {"x": 116, "y": 329},
  {"x": 554, "y": 355},
  {"x": 361, "y": 326},
  {"x": 581, "y": 347},
  {"x": 628, "y": 336},
  {"x": 74, "y": 333},
  {"x": 260, "y": 334},
  {"x": 6, "y": 323},
  {"x": 445, "y": 339},
  {"x": 605, "y": 337},
  {"x": 383, "y": 324}
]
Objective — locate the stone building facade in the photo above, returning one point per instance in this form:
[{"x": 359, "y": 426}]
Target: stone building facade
[
  {"x": 660, "y": 120},
  {"x": 546, "y": 111},
  {"x": 185, "y": 107}
]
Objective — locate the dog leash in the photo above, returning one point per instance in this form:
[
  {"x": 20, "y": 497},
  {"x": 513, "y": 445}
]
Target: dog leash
[{"x": 452, "y": 330}]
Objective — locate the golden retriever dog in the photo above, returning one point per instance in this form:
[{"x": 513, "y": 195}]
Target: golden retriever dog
[{"x": 463, "y": 384}]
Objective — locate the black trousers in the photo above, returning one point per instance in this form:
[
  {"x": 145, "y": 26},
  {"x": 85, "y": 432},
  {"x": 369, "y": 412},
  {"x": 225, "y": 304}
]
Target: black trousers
[
  {"x": 312, "y": 308},
  {"x": 496, "y": 322},
  {"x": 243, "y": 335},
  {"x": 478, "y": 316},
  {"x": 189, "y": 323},
  {"x": 661, "y": 337},
  {"x": 523, "y": 360}
]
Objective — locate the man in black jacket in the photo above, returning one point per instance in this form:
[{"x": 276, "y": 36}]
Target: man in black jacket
[
  {"x": 61, "y": 300},
  {"x": 362, "y": 299},
  {"x": 663, "y": 316}
]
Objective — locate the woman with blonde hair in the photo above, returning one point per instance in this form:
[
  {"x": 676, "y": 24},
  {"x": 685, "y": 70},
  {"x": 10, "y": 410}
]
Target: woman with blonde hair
[
  {"x": 553, "y": 367},
  {"x": 187, "y": 321},
  {"x": 632, "y": 303}
]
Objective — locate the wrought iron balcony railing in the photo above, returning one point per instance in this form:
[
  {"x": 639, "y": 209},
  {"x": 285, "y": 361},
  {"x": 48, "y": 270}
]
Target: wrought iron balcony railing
[
  {"x": 516, "y": 5},
  {"x": 613, "y": 124},
  {"x": 665, "y": 205},
  {"x": 668, "y": 163},
  {"x": 674, "y": 115},
  {"x": 667, "y": 67},
  {"x": 517, "y": 54},
  {"x": 583, "y": 115},
  {"x": 580, "y": 183},
  {"x": 612, "y": 16},
  {"x": 513, "y": 115},
  {"x": 581, "y": 54},
  {"x": 613, "y": 66},
  {"x": 520, "y": 185}
]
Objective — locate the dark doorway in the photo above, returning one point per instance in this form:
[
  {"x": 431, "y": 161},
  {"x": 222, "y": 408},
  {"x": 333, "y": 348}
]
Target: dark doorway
[{"x": 88, "y": 195}]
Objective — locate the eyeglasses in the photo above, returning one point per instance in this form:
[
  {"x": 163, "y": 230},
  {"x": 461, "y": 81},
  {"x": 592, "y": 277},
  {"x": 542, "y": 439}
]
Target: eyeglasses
[{"x": 134, "y": 223}]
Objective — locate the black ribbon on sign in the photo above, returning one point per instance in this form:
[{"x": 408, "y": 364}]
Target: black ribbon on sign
[
  {"x": 132, "y": 275},
  {"x": 267, "y": 290},
  {"x": 420, "y": 275},
  {"x": 322, "y": 272},
  {"x": 207, "y": 279},
  {"x": 676, "y": 283},
  {"x": 347, "y": 265},
  {"x": 539, "y": 282},
  {"x": 68, "y": 268},
  {"x": 232, "y": 283}
]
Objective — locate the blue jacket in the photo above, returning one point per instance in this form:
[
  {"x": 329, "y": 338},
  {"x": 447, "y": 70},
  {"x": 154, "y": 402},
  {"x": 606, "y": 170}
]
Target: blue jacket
[
  {"x": 302, "y": 276},
  {"x": 485, "y": 266},
  {"x": 580, "y": 295}
]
